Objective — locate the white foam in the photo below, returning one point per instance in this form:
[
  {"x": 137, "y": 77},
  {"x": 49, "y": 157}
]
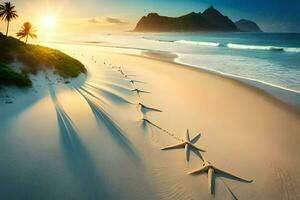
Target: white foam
[
  {"x": 212, "y": 44},
  {"x": 179, "y": 61},
  {"x": 260, "y": 47},
  {"x": 292, "y": 50},
  {"x": 254, "y": 47}
]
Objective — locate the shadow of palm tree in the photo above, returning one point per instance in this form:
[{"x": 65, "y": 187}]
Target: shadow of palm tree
[
  {"x": 93, "y": 95},
  {"x": 79, "y": 161},
  {"x": 110, "y": 95},
  {"x": 115, "y": 86},
  {"x": 117, "y": 133}
]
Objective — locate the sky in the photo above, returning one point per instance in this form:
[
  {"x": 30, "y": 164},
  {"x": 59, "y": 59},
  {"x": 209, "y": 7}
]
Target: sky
[{"x": 122, "y": 15}]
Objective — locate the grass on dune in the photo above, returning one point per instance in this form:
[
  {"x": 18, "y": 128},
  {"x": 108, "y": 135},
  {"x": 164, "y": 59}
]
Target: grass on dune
[
  {"x": 36, "y": 57},
  {"x": 10, "y": 77}
]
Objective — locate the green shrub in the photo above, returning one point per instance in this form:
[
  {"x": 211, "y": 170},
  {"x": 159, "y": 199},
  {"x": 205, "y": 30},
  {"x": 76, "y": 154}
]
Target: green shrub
[
  {"x": 36, "y": 57},
  {"x": 10, "y": 77}
]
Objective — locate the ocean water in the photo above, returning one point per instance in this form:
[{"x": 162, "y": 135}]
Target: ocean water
[
  {"x": 270, "y": 58},
  {"x": 269, "y": 61}
]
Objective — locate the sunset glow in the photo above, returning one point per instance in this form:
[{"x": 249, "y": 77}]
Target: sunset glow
[
  {"x": 49, "y": 22},
  {"x": 149, "y": 99}
]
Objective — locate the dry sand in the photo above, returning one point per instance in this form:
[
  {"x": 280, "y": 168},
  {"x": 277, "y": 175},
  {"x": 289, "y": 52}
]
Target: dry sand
[{"x": 87, "y": 141}]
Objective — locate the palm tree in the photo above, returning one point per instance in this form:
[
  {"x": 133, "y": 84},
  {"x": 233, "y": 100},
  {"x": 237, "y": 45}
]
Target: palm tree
[
  {"x": 7, "y": 13},
  {"x": 26, "y": 31}
]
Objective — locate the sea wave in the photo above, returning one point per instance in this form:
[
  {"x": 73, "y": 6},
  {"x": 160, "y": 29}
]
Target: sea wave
[
  {"x": 240, "y": 46},
  {"x": 241, "y": 77},
  {"x": 265, "y": 48},
  {"x": 292, "y": 50},
  {"x": 158, "y": 40},
  {"x": 233, "y": 45},
  {"x": 200, "y": 43},
  {"x": 254, "y": 47}
]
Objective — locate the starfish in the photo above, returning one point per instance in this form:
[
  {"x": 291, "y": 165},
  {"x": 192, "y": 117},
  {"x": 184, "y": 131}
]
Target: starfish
[
  {"x": 211, "y": 170},
  {"x": 186, "y": 144},
  {"x": 134, "y": 81},
  {"x": 115, "y": 67},
  {"x": 138, "y": 91},
  {"x": 144, "y": 108},
  {"x": 121, "y": 71}
]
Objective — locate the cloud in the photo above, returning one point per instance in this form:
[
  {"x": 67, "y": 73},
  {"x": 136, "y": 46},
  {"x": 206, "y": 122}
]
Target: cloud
[
  {"x": 115, "y": 21},
  {"x": 107, "y": 20},
  {"x": 93, "y": 20}
]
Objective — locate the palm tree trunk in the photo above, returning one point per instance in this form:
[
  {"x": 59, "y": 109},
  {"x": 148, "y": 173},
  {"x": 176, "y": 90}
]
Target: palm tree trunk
[
  {"x": 7, "y": 28},
  {"x": 26, "y": 39}
]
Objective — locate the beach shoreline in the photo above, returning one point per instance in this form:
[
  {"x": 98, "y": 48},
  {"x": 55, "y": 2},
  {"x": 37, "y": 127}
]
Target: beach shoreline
[
  {"x": 241, "y": 128},
  {"x": 259, "y": 128},
  {"x": 276, "y": 94},
  {"x": 283, "y": 94}
]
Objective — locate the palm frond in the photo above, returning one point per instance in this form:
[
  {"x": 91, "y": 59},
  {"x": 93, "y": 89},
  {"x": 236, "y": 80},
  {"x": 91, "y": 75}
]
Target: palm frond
[
  {"x": 33, "y": 35},
  {"x": 8, "y": 12},
  {"x": 27, "y": 30},
  {"x": 21, "y": 35}
]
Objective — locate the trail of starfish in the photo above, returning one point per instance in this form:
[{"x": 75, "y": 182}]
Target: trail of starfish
[{"x": 207, "y": 166}]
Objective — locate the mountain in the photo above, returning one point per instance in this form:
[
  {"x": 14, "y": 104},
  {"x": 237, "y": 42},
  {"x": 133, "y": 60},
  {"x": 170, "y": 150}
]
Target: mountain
[
  {"x": 210, "y": 20},
  {"x": 247, "y": 26}
]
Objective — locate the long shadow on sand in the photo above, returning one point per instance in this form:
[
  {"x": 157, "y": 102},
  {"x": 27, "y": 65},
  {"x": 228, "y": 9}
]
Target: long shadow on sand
[
  {"x": 117, "y": 133},
  {"x": 144, "y": 109},
  {"x": 93, "y": 95},
  {"x": 136, "y": 81},
  {"x": 115, "y": 86},
  {"x": 138, "y": 91},
  {"x": 110, "y": 95},
  {"x": 79, "y": 161},
  {"x": 146, "y": 122},
  {"x": 233, "y": 196}
]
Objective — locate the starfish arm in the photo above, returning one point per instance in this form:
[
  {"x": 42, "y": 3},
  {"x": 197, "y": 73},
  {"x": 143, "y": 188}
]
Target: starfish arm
[
  {"x": 175, "y": 146},
  {"x": 197, "y": 152},
  {"x": 232, "y": 176},
  {"x": 138, "y": 93},
  {"x": 187, "y": 135},
  {"x": 187, "y": 155},
  {"x": 149, "y": 108},
  {"x": 210, "y": 180},
  {"x": 195, "y": 147},
  {"x": 143, "y": 91},
  {"x": 196, "y": 138},
  {"x": 200, "y": 170}
]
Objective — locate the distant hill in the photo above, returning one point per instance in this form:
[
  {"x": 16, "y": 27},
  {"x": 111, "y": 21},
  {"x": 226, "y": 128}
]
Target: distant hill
[
  {"x": 210, "y": 20},
  {"x": 247, "y": 26}
]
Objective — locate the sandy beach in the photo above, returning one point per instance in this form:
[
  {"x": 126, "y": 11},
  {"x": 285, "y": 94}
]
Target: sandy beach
[{"x": 88, "y": 139}]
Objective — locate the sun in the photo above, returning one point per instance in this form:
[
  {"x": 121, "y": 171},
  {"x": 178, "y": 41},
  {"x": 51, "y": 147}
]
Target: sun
[{"x": 49, "y": 22}]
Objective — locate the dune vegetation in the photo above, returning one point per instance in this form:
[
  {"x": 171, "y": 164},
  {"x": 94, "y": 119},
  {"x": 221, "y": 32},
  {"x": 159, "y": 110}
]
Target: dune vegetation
[
  {"x": 10, "y": 77},
  {"x": 36, "y": 58},
  {"x": 32, "y": 57}
]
